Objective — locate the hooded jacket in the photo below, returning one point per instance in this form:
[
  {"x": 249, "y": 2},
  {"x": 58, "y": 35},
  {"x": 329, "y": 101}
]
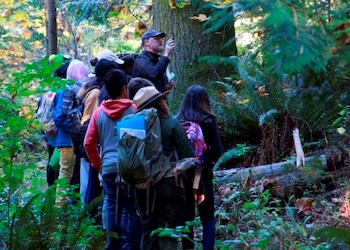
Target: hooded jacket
[{"x": 102, "y": 130}]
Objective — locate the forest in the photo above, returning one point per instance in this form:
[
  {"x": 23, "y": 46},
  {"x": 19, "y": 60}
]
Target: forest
[{"x": 277, "y": 73}]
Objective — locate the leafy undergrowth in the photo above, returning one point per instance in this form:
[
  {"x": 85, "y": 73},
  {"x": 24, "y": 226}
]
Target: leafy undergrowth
[
  {"x": 253, "y": 216},
  {"x": 28, "y": 211}
]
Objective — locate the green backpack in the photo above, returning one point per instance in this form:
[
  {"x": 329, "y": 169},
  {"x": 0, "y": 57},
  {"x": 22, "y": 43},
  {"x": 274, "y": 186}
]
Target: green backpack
[{"x": 141, "y": 160}]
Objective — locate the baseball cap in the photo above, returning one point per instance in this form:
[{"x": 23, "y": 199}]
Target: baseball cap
[
  {"x": 110, "y": 56},
  {"x": 151, "y": 33}
]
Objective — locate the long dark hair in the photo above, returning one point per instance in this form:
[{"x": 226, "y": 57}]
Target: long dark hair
[{"x": 195, "y": 106}]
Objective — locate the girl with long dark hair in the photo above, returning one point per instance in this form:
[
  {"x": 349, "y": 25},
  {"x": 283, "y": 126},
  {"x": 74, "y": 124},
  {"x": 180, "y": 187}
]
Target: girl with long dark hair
[{"x": 196, "y": 107}]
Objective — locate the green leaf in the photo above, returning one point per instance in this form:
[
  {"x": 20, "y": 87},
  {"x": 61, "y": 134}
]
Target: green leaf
[
  {"x": 182, "y": 229},
  {"x": 342, "y": 112},
  {"x": 166, "y": 232},
  {"x": 337, "y": 121},
  {"x": 262, "y": 243},
  {"x": 157, "y": 231}
]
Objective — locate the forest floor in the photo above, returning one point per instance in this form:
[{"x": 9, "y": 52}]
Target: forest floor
[{"x": 287, "y": 211}]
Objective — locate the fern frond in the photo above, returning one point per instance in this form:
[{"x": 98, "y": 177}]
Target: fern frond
[{"x": 233, "y": 153}]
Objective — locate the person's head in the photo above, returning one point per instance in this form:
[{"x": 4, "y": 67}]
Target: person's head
[
  {"x": 195, "y": 104},
  {"x": 135, "y": 84},
  {"x": 77, "y": 70},
  {"x": 103, "y": 66},
  {"x": 152, "y": 41},
  {"x": 61, "y": 71},
  {"x": 116, "y": 82},
  {"x": 110, "y": 56},
  {"x": 150, "y": 97}
]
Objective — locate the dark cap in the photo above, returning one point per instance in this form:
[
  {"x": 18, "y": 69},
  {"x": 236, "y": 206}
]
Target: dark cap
[
  {"x": 103, "y": 66},
  {"x": 151, "y": 33}
]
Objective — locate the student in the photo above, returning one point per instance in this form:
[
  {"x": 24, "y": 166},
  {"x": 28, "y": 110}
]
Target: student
[
  {"x": 135, "y": 84},
  {"x": 150, "y": 64},
  {"x": 167, "y": 195},
  {"x": 64, "y": 102},
  {"x": 91, "y": 92},
  {"x": 102, "y": 129},
  {"x": 51, "y": 174},
  {"x": 196, "y": 107}
]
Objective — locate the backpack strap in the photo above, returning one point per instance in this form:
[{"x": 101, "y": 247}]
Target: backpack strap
[{"x": 91, "y": 88}]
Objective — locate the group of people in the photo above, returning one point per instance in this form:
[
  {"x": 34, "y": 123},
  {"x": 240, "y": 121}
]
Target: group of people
[{"x": 108, "y": 96}]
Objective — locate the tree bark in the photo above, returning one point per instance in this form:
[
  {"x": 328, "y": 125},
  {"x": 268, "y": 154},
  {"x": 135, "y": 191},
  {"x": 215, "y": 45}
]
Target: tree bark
[
  {"x": 192, "y": 43},
  {"x": 51, "y": 19}
]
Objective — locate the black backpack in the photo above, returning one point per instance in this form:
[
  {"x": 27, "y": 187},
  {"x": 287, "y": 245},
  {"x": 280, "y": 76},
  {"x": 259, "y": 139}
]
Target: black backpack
[
  {"x": 73, "y": 118},
  {"x": 129, "y": 60},
  {"x": 83, "y": 129}
]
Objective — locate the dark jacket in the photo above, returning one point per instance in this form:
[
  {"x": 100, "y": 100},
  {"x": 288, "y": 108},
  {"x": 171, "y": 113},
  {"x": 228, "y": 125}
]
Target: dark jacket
[
  {"x": 152, "y": 67},
  {"x": 212, "y": 140}
]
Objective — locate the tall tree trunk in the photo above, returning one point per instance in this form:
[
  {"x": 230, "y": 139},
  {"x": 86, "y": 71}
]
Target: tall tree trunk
[
  {"x": 52, "y": 27},
  {"x": 191, "y": 44}
]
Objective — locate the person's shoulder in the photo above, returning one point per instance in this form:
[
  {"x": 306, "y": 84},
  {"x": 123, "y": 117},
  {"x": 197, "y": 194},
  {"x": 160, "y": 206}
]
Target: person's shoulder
[
  {"x": 142, "y": 55},
  {"x": 92, "y": 93},
  {"x": 97, "y": 112},
  {"x": 93, "y": 90},
  {"x": 208, "y": 119},
  {"x": 59, "y": 93},
  {"x": 170, "y": 122}
]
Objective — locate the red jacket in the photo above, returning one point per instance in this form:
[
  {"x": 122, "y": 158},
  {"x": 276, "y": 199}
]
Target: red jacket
[{"x": 101, "y": 131}]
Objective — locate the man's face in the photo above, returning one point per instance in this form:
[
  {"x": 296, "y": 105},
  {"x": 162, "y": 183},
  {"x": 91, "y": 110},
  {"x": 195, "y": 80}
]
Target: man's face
[{"x": 154, "y": 44}]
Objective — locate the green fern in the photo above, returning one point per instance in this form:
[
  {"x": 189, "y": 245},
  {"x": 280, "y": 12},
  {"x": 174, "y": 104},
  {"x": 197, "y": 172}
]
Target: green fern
[
  {"x": 44, "y": 226},
  {"x": 300, "y": 63},
  {"x": 239, "y": 151}
]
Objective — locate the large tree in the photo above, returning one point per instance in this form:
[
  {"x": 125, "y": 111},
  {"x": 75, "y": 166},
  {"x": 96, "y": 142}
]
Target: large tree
[{"x": 185, "y": 24}]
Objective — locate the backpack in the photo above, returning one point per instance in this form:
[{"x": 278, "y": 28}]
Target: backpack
[
  {"x": 44, "y": 113},
  {"x": 195, "y": 136},
  {"x": 129, "y": 60},
  {"x": 74, "y": 119},
  {"x": 85, "y": 126},
  {"x": 140, "y": 158},
  {"x": 83, "y": 130}
]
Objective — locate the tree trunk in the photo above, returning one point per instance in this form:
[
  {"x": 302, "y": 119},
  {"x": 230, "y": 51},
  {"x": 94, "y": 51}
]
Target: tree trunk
[
  {"x": 191, "y": 44},
  {"x": 52, "y": 27}
]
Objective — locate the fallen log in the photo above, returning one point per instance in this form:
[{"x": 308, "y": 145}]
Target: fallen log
[
  {"x": 297, "y": 182},
  {"x": 241, "y": 174}
]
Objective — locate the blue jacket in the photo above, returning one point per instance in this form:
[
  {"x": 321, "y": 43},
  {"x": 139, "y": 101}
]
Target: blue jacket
[{"x": 62, "y": 137}]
